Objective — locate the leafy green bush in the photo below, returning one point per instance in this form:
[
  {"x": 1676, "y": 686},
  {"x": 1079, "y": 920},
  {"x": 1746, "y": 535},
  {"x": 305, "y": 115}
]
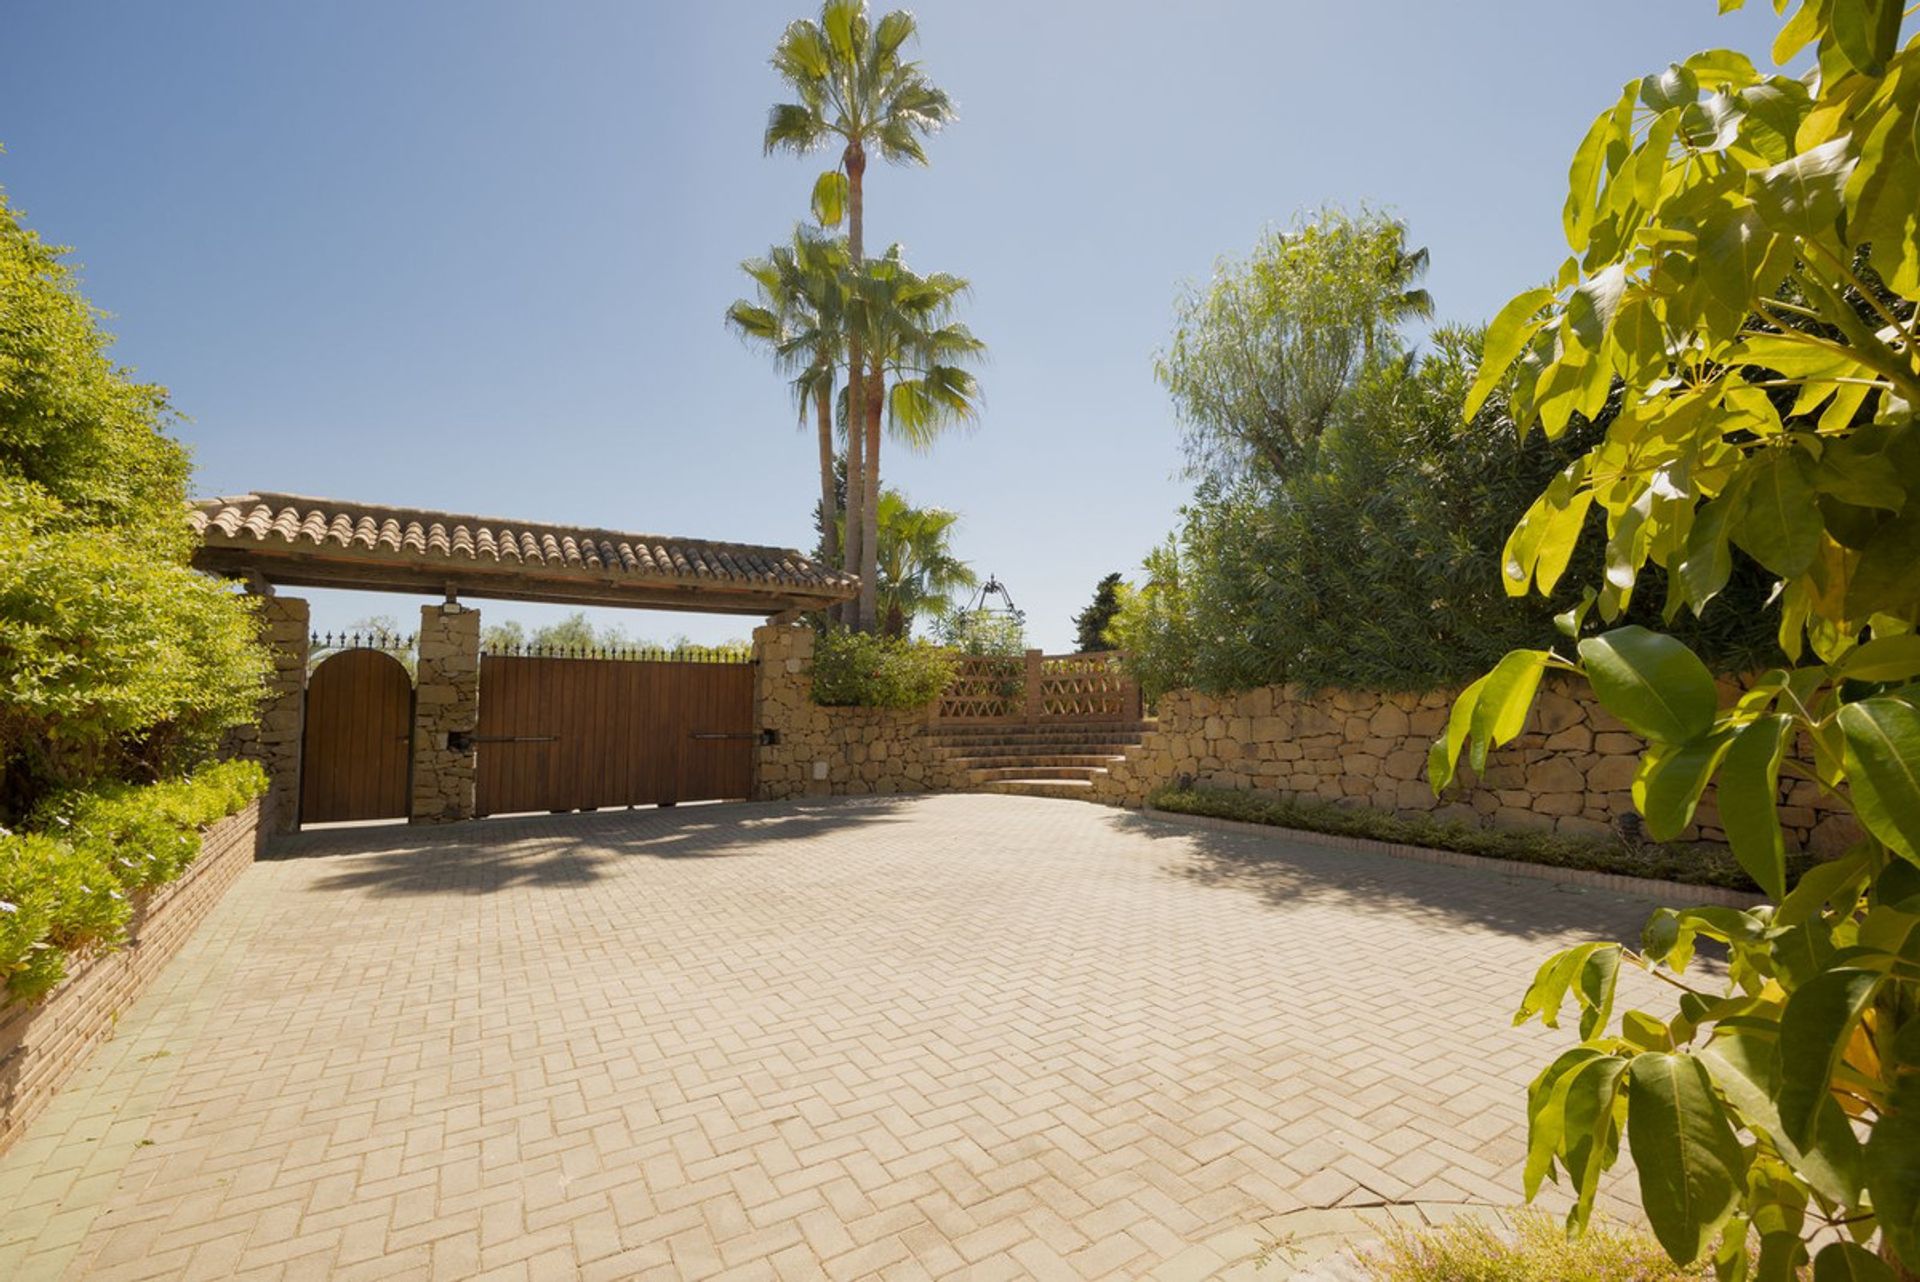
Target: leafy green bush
[
  {"x": 1470, "y": 1250},
  {"x": 117, "y": 660},
  {"x": 1694, "y": 865},
  {"x": 868, "y": 670},
  {"x": 1367, "y": 565},
  {"x": 68, "y": 890}
]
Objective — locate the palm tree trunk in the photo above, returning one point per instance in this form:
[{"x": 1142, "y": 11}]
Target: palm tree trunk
[
  {"x": 829, "y": 503},
  {"x": 861, "y": 547},
  {"x": 870, "y": 543},
  {"x": 853, "y": 537}
]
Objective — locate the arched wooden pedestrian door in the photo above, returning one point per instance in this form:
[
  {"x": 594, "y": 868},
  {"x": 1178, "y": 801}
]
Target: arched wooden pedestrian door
[{"x": 359, "y": 737}]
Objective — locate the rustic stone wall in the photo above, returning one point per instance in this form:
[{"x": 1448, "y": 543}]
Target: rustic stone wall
[
  {"x": 446, "y": 704},
  {"x": 275, "y": 741},
  {"x": 42, "y": 1045},
  {"x": 1571, "y": 772},
  {"x": 833, "y": 752}
]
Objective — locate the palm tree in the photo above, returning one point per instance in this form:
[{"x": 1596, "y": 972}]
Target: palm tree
[
  {"x": 801, "y": 316},
  {"x": 1402, "y": 298},
  {"x": 918, "y": 571},
  {"x": 855, "y": 90},
  {"x": 912, "y": 374}
]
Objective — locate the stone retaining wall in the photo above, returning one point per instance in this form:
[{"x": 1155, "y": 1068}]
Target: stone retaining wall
[
  {"x": 1571, "y": 772},
  {"x": 833, "y": 752},
  {"x": 42, "y": 1045}
]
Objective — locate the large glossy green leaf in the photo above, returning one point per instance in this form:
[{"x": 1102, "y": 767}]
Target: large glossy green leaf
[
  {"x": 1651, "y": 682},
  {"x": 1866, "y": 31},
  {"x": 1893, "y": 1164},
  {"x": 1819, "y": 1018},
  {"x": 1707, "y": 563},
  {"x": 1804, "y": 194},
  {"x": 1846, "y": 1262},
  {"x": 1883, "y": 769},
  {"x": 1887, "y": 579},
  {"x": 1546, "y": 1115},
  {"x": 1749, "y": 798},
  {"x": 1443, "y": 758},
  {"x": 1667, "y": 787},
  {"x": 1591, "y": 310},
  {"x": 1690, "y": 1164},
  {"x": 1510, "y": 331},
  {"x": 1778, "y": 524},
  {"x": 1500, "y": 713},
  {"x": 1894, "y": 658}
]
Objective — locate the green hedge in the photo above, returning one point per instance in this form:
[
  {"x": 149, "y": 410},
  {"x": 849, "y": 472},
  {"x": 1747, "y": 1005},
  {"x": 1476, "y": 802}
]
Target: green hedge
[
  {"x": 866, "y": 670},
  {"x": 68, "y": 890},
  {"x": 1693, "y": 865}
]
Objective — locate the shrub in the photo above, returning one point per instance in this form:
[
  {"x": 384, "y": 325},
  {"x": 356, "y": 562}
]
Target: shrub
[
  {"x": 68, "y": 891},
  {"x": 1694, "y": 865},
  {"x": 865, "y": 670},
  {"x": 117, "y": 660},
  {"x": 1368, "y": 565},
  {"x": 1469, "y": 1250}
]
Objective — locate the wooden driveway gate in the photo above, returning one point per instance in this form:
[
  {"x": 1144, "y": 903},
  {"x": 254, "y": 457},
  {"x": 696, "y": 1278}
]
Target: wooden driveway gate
[
  {"x": 578, "y": 734},
  {"x": 356, "y": 748}
]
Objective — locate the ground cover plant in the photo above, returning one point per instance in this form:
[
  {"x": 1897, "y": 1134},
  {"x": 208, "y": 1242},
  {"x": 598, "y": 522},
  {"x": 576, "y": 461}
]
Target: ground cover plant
[
  {"x": 1470, "y": 1250},
  {"x": 68, "y": 890},
  {"x": 1699, "y": 865},
  {"x": 1744, "y": 273}
]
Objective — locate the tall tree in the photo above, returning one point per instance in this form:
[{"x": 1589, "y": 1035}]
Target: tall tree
[
  {"x": 1090, "y": 625},
  {"x": 854, "y": 89},
  {"x": 915, "y": 378},
  {"x": 800, "y": 315},
  {"x": 918, "y": 570},
  {"x": 1262, "y": 358}
]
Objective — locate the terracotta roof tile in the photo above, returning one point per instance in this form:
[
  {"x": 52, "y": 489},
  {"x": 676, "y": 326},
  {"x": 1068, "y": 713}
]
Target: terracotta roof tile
[{"x": 408, "y": 535}]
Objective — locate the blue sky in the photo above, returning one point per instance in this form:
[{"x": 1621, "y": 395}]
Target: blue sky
[{"x": 475, "y": 255}]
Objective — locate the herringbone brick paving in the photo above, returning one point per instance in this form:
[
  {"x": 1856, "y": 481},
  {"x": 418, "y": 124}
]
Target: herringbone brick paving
[{"x": 980, "y": 1036}]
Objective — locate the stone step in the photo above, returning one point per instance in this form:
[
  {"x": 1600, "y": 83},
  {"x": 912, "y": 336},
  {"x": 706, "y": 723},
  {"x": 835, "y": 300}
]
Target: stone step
[
  {"x": 1070, "y": 789},
  {"x": 1028, "y": 770},
  {"x": 996, "y": 760}
]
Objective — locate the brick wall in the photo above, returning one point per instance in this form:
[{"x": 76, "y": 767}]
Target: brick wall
[
  {"x": 860, "y": 751},
  {"x": 42, "y": 1045},
  {"x": 1571, "y": 772}
]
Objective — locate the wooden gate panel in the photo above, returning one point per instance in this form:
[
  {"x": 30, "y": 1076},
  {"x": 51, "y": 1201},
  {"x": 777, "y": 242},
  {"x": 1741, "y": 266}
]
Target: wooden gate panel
[
  {"x": 356, "y": 747},
  {"x": 581, "y": 734}
]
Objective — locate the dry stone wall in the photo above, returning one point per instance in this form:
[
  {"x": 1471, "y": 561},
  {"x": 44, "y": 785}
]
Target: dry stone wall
[
  {"x": 1571, "y": 772},
  {"x": 833, "y": 752},
  {"x": 446, "y": 706}
]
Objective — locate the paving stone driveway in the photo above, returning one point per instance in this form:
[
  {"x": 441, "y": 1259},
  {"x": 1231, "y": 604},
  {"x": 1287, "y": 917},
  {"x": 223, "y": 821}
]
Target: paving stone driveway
[{"x": 982, "y": 1036}]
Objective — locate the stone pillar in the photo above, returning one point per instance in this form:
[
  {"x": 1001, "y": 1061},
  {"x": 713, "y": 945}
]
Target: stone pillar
[
  {"x": 783, "y": 703},
  {"x": 446, "y": 705},
  {"x": 275, "y": 741}
]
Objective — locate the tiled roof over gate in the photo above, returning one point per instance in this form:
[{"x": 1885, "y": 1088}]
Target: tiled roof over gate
[{"x": 286, "y": 525}]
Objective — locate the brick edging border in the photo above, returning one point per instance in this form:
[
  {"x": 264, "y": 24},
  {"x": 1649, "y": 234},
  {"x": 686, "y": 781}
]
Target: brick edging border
[
  {"x": 43, "y": 1045},
  {"x": 1645, "y": 887}
]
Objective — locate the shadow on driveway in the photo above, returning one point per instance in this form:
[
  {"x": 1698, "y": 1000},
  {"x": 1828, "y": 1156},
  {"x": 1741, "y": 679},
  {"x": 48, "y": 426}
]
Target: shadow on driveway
[
  {"x": 484, "y": 856},
  {"x": 1301, "y": 876}
]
